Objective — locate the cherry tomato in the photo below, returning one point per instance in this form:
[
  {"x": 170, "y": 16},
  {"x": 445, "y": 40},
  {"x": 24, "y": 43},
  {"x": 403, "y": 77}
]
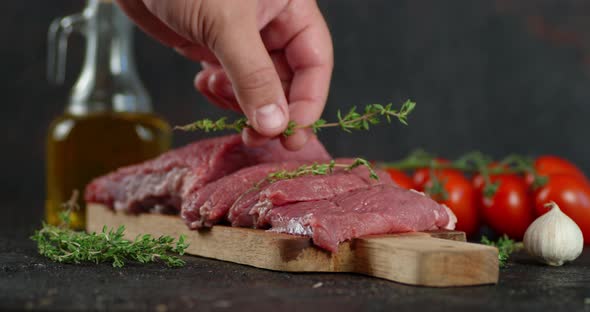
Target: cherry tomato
[
  {"x": 572, "y": 195},
  {"x": 400, "y": 178},
  {"x": 547, "y": 165},
  {"x": 460, "y": 199},
  {"x": 510, "y": 210}
]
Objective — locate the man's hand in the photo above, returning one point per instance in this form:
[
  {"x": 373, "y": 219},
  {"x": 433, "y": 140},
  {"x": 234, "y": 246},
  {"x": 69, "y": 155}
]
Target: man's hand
[{"x": 270, "y": 59}]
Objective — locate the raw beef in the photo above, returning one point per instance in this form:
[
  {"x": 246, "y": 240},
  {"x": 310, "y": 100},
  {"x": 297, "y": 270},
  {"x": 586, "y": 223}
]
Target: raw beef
[
  {"x": 379, "y": 209},
  {"x": 162, "y": 183},
  {"x": 250, "y": 209},
  {"x": 210, "y": 204},
  {"x": 213, "y": 180}
]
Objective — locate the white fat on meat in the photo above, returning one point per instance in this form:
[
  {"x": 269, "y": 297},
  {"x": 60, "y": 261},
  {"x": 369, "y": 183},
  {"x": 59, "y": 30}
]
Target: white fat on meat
[
  {"x": 452, "y": 219},
  {"x": 294, "y": 226}
]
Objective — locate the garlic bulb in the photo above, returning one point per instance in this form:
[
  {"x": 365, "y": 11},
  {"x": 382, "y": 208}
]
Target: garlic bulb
[{"x": 554, "y": 238}]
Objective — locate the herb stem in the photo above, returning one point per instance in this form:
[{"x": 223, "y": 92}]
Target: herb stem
[
  {"x": 320, "y": 169},
  {"x": 353, "y": 120}
]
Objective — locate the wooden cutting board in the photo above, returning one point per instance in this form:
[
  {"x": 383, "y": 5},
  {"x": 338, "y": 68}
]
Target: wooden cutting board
[{"x": 436, "y": 259}]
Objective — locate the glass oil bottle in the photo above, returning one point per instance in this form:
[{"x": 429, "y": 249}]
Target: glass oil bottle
[{"x": 108, "y": 121}]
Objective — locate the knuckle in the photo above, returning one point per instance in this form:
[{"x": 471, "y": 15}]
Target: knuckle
[
  {"x": 217, "y": 18},
  {"x": 186, "y": 17},
  {"x": 194, "y": 20}
]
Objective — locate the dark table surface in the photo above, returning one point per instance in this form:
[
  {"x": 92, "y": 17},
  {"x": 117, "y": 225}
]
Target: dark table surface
[{"x": 28, "y": 281}]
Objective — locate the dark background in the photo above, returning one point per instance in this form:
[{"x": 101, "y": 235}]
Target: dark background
[{"x": 497, "y": 76}]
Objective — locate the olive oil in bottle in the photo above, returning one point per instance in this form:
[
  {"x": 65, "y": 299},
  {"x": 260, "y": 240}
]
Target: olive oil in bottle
[{"x": 108, "y": 122}]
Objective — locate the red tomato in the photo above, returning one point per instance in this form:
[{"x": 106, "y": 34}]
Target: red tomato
[
  {"x": 461, "y": 197},
  {"x": 548, "y": 165},
  {"x": 510, "y": 210},
  {"x": 572, "y": 195},
  {"x": 400, "y": 178}
]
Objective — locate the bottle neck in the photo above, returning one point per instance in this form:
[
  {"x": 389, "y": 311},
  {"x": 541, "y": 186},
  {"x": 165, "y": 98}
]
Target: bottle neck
[{"x": 109, "y": 79}]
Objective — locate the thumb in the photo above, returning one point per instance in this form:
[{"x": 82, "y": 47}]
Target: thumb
[{"x": 255, "y": 81}]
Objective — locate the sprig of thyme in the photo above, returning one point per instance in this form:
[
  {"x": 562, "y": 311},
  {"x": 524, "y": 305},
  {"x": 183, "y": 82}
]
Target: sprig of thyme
[
  {"x": 320, "y": 169},
  {"x": 353, "y": 120},
  {"x": 62, "y": 244},
  {"x": 208, "y": 125},
  {"x": 505, "y": 245}
]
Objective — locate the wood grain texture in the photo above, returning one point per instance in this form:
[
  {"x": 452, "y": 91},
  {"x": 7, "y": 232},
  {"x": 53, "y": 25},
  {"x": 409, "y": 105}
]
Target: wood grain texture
[{"x": 437, "y": 259}]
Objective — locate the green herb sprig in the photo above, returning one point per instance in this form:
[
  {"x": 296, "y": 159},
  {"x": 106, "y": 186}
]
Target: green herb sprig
[
  {"x": 62, "y": 244},
  {"x": 505, "y": 245},
  {"x": 320, "y": 169},
  {"x": 208, "y": 125},
  {"x": 353, "y": 120}
]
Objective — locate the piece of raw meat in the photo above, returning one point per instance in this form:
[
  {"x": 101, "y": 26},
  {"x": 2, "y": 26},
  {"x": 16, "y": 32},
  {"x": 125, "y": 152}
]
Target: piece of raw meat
[
  {"x": 379, "y": 209},
  {"x": 210, "y": 204},
  {"x": 162, "y": 183},
  {"x": 250, "y": 210}
]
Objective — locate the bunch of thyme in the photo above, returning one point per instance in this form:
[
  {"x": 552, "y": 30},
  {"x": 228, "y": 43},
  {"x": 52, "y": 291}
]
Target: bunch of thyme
[
  {"x": 353, "y": 120},
  {"x": 62, "y": 244}
]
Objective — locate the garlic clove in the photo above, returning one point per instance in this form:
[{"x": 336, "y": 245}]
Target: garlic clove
[{"x": 554, "y": 238}]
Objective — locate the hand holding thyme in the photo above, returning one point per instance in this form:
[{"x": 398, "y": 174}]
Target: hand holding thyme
[
  {"x": 353, "y": 120},
  {"x": 64, "y": 245}
]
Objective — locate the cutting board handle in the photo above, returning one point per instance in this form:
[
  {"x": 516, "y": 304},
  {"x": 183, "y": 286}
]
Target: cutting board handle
[{"x": 421, "y": 259}]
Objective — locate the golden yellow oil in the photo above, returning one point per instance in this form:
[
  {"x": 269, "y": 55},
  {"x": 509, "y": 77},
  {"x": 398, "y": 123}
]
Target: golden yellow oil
[{"x": 80, "y": 148}]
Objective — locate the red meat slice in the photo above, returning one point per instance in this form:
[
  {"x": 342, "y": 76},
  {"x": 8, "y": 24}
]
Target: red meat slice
[{"x": 379, "y": 209}]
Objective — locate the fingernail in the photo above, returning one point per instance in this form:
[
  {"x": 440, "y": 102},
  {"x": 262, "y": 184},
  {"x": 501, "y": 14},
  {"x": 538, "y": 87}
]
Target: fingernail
[{"x": 269, "y": 116}]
